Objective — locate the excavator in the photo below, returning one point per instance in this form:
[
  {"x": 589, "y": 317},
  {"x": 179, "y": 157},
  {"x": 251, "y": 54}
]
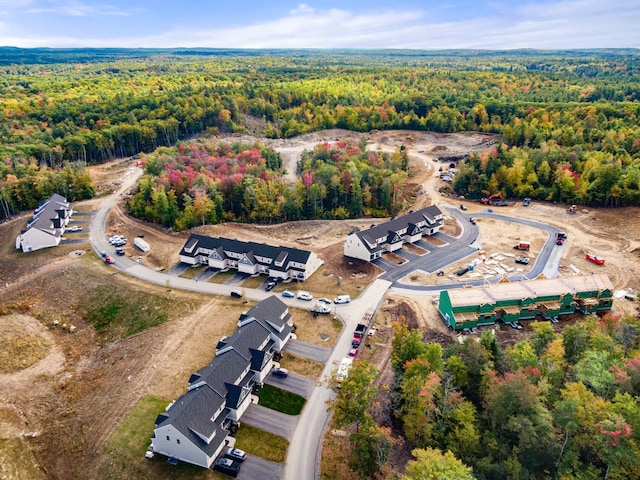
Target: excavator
[{"x": 496, "y": 197}]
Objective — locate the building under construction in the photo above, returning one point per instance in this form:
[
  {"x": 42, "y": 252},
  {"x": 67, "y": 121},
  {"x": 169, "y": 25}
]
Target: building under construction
[{"x": 514, "y": 301}]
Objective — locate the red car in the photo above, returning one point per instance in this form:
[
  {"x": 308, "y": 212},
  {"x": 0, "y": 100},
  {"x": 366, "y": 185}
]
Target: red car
[
  {"x": 353, "y": 353},
  {"x": 595, "y": 259},
  {"x": 109, "y": 260}
]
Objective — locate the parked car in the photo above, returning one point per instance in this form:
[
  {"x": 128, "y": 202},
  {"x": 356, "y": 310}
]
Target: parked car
[
  {"x": 236, "y": 293},
  {"x": 120, "y": 243},
  {"x": 227, "y": 466},
  {"x": 355, "y": 342},
  {"x": 235, "y": 454},
  {"x": 109, "y": 260},
  {"x": 75, "y": 228},
  {"x": 280, "y": 372},
  {"x": 116, "y": 239},
  {"x": 103, "y": 254},
  {"x": 463, "y": 206},
  {"x": 353, "y": 353},
  {"x": 288, "y": 294},
  {"x": 120, "y": 251},
  {"x": 522, "y": 260},
  {"x": 302, "y": 295},
  {"x": 324, "y": 300},
  {"x": 269, "y": 286},
  {"x": 342, "y": 299}
]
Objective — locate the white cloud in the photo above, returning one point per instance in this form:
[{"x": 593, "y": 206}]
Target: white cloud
[
  {"x": 302, "y": 8},
  {"x": 541, "y": 24},
  {"x": 72, "y": 8}
]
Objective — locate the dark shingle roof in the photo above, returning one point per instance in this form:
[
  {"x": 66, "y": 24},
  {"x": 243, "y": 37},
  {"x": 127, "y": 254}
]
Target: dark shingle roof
[
  {"x": 193, "y": 413},
  {"x": 48, "y": 215},
  {"x": 228, "y": 367},
  {"x": 388, "y": 229},
  {"x": 237, "y": 246}
]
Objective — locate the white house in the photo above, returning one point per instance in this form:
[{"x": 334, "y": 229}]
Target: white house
[
  {"x": 46, "y": 227},
  {"x": 369, "y": 244},
  {"x": 194, "y": 428},
  {"x": 250, "y": 257}
]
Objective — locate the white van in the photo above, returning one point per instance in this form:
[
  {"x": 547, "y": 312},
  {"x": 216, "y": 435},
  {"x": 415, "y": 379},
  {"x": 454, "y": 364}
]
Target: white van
[
  {"x": 302, "y": 295},
  {"x": 342, "y": 299}
]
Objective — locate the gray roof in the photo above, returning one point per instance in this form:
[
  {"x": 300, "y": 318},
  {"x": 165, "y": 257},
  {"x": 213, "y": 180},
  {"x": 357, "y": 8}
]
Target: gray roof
[
  {"x": 250, "y": 248},
  {"x": 389, "y": 229},
  {"x": 224, "y": 368},
  {"x": 273, "y": 314},
  {"x": 49, "y": 215},
  {"x": 192, "y": 413}
]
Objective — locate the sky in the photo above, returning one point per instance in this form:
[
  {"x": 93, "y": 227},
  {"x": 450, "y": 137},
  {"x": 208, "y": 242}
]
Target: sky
[{"x": 375, "y": 24}]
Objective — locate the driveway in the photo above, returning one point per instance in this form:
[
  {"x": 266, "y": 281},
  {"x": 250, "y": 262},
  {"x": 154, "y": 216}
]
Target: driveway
[
  {"x": 254, "y": 468},
  {"x": 292, "y": 383},
  {"x": 308, "y": 350},
  {"x": 269, "y": 420}
]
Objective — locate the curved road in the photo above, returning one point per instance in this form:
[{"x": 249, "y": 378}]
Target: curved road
[
  {"x": 465, "y": 245},
  {"x": 305, "y": 448}
]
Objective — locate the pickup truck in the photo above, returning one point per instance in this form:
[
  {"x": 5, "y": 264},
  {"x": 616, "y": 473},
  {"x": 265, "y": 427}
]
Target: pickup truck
[{"x": 523, "y": 260}]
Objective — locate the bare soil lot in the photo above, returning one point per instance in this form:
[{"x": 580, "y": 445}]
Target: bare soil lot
[{"x": 58, "y": 422}]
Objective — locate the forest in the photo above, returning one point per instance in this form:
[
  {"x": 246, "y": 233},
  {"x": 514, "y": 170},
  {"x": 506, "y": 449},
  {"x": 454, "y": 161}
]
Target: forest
[
  {"x": 569, "y": 120},
  {"x": 206, "y": 182},
  {"x": 554, "y": 405}
]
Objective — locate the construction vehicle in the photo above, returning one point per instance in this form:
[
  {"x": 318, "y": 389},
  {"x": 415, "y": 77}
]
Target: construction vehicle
[
  {"x": 491, "y": 198},
  {"x": 560, "y": 238},
  {"x": 522, "y": 246},
  {"x": 572, "y": 209},
  {"x": 594, "y": 258}
]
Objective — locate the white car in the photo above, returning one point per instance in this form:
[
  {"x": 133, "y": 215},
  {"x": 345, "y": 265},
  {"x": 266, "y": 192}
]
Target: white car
[
  {"x": 75, "y": 228},
  {"x": 302, "y": 295},
  {"x": 342, "y": 299}
]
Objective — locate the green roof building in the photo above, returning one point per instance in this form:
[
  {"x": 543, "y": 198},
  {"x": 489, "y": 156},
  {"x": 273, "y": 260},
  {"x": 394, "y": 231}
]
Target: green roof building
[{"x": 514, "y": 301}]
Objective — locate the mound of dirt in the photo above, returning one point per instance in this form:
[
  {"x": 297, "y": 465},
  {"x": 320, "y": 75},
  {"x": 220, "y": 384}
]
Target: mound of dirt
[{"x": 23, "y": 343}]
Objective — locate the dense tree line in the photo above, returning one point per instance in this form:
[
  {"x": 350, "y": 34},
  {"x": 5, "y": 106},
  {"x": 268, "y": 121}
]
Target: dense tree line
[
  {"x": 575, "y": 112},
  {"x": 24, "y": 185},
  {"x": 555, "y": 405},
  {"x": 206, "y": 181}
]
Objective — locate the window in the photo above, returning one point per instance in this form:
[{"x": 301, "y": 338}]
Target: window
[
  {"x": 178, "y": 440},
  {"x": 168, "y": 439}
]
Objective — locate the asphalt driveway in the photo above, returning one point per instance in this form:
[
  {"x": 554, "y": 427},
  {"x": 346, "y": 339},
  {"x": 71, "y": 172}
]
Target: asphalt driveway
[
  {"x": 308, "y": 350},
  {"x": 269, "y": 420}
]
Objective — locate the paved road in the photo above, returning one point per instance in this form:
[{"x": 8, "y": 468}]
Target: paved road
[
  {"x": 306, "y": 440},
  {"x": 547, "y": 261},
  {"x": 269, "y": 420},
  {"x": 293, "y": 383},
  {"x": 256, "y": 467},
  {"x": 303, "y": 457},
  {"x": 308, "y": 350}
]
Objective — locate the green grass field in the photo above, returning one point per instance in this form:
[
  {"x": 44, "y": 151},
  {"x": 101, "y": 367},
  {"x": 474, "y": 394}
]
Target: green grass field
[{"x": 281, "y": 400}]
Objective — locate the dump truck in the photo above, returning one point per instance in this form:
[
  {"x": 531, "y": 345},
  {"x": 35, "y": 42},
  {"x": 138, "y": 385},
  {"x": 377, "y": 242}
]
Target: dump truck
[{"x": 522, "y": 246}]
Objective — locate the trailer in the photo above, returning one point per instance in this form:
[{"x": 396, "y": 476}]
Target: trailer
[
  {"x": 141, "y": 244},
  {"x": 343, "y": 369}
]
